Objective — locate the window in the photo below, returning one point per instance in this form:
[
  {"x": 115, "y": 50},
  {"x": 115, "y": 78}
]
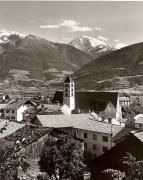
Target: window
[
  {"x": 72, "y": 89},
  {"x": 94, "y": 147},
  {"x": 94, "y": 137},
  {"x": 12, "y": 117},
  {"x": 104, "y": 148},
  {"x": 105, "y": 138},
  {"x": 71, "y": 94},
  {"x": 85, "y": 135},
  {"x": 12, "y": 111},
  {"x": 7, "y": 111},
  {"x": 71, "y": 85},
  {"x": 85, "y": 145},
  {"x": 66, "y": 94},
  {"x": 66, "y": 90}
]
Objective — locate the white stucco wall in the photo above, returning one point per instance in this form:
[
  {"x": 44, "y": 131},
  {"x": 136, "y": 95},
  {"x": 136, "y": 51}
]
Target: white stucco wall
[
  {"x": 90, "y": 141},
  {"x": 21, "y": 110},
  {"x": 70, "y": 99}
]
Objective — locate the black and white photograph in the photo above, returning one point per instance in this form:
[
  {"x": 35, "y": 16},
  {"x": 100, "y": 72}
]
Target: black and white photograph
[{"x": 71, "y": 90}]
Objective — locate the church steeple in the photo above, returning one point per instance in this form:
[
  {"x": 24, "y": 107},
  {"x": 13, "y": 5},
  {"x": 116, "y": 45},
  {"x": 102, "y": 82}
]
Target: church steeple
[
  {"x": 69, "y": 93},
  {"x": 68, "y": 79}
]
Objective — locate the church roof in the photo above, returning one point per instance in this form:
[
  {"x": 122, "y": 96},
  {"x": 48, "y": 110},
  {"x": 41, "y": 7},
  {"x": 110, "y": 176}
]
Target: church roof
[
  {"x": 68, "y": 79},
  {"x": 86, "y": 100}
]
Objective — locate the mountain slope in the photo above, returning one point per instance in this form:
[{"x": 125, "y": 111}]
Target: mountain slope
[
  {"x": 92, "y": 46},
  {"x": 31, "y": 57},
  {"x": 121, "y": 69}
]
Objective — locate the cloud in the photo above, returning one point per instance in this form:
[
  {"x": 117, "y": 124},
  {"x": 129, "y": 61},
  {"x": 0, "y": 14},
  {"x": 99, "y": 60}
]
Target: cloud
[
  {"x": 120, "y": 45},
  {"x": 98, "y": 29},
  {"x": 74, "y": 26},
  {"x": 103, "y": 38},
  {"x": 80, "y": 28},
  {"x": 50, "y": 26},
  {"x": 117, "y": 40},
  {"x": 70, "y": 25}
]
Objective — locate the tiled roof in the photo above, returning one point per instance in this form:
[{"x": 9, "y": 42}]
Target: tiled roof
[
  {"x": 79, "y": 121},
  {"x": 139, "y": 120},
  {"x": 50, "y": 107},
  {"x": 138, "y": 135},
  {"x": 2, "y": 106},
  {"x": 16, "y": 103},
  {"x": 29, "y": 132},
  {"x": 121, "y": 135},
  {"x": 8, "y": 127}
]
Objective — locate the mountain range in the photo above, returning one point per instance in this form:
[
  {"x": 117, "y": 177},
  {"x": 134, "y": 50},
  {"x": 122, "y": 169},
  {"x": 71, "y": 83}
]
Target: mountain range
[
  {"x": 121, "y": 69},
  {"x": 30, "y": 57}
]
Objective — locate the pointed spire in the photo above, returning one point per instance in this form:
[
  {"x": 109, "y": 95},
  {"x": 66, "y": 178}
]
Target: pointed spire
[{"x": 68, "y": 79}]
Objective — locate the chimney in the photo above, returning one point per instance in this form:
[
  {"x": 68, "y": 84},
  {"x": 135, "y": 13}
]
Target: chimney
[{"x": 109, "y": 121}]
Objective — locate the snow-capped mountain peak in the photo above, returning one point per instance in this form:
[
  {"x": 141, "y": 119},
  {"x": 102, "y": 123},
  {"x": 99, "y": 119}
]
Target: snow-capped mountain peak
[
  {"x": 94, "y": 42},
  {"x": 91, "y": 46},
  {"x": 5, "y": 34}
]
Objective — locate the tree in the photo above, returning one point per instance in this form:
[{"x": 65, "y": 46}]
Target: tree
[
  {"x": 132, "y": 167},
  {"x": 11, "y": 161},
  {"x": 112, "y": 173},
  {"x": 134, "y": 108},
  {"x": 62, "y": 158}
]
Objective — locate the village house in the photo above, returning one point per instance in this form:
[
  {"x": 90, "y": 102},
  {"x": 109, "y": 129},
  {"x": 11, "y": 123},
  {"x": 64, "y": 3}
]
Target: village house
[
  {"x": 97, "y": 136},
  {"x": 138, "y": 121},
  {"x": 28, "y": 139},
  {"x": 133, "y": 144},
  {"x": 89, "y": 101},
  {"x": 15, "y": 109}
]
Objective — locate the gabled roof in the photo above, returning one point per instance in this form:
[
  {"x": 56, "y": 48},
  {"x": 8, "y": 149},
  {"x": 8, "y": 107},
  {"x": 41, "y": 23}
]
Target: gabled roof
[
  {"x": 121, "y": 135},
  {"x": 29, "y": 132},
  {"x": 68, "y": 79},
  {"x": 90, "y": 99},
  {"x": 49, "y": 107},
  {"x": 138, "y": 135},
  {"x": 109, "y": 112},
  {"x": 78, "y": 121},
  {"x": 3, "y": 105},
  {"x": 139, "y": 119},
  {"x": 8, "y": 127},
  {"x": 16, "y": 103}
]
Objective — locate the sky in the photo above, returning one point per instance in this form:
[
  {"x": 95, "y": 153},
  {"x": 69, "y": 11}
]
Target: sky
[{"x": 114, "y": 22}]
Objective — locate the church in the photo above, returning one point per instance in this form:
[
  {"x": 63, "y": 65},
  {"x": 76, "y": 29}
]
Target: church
[{"x": 104, "y": 104}]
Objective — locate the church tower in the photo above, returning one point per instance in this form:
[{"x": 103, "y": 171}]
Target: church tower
[{"x": 69, "y": 93}]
